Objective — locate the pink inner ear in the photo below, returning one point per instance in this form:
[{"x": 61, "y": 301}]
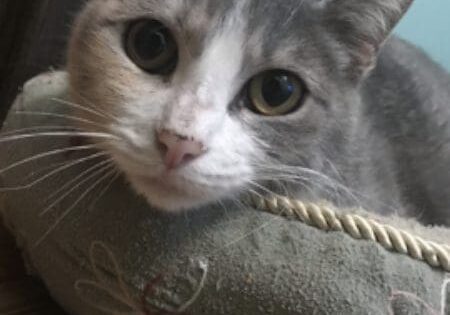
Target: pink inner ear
[{"x": 367, "y": 54}]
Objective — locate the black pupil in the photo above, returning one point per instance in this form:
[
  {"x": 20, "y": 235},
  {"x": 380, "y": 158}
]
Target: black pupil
[
  {"x": 151, "y": 41},
  {"x": 277, "y": 89}
]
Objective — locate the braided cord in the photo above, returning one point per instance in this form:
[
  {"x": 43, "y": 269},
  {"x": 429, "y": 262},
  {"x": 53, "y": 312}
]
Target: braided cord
[{"x": 326, "y": 218}]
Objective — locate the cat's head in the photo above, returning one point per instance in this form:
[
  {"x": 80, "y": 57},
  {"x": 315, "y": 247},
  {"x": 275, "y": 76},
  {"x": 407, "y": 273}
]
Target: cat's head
[{"x": 209, "y": 97}]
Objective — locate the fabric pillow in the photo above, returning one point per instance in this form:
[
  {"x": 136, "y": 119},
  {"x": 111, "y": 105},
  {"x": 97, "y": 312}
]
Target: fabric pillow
[{"x": 100, "y": 249}]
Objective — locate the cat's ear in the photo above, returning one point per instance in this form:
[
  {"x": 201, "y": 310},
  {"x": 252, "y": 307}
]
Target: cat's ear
[{"x": 362, "y": 26}]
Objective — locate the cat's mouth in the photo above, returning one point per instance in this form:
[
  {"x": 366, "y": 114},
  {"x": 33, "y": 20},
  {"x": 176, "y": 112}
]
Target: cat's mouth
[
  {"x": 173, "y": 192},
  {"x": 192, "y": 186}
]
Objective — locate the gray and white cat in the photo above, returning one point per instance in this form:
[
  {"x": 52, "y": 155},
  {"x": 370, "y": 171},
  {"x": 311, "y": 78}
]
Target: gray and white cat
[{"x": 307, "y": 98}]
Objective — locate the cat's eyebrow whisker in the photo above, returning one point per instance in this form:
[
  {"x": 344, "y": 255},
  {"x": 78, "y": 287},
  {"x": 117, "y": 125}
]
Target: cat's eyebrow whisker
[
  {"x": 60, "y": 134},
  {"x": 95, "y": 170},
  {"x": 69, "y": 210},
  {"x": 59, "y": 169},
  {"x": 64, "y": 116},
  {"x": 47, "y": 154},
  {"x": 294, "y": 13},
  {"x": 89, "y": 109}
]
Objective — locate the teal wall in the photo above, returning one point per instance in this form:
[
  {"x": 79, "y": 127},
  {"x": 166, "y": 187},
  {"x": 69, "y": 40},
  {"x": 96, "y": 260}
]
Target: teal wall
[{"x": 427, "y": 24}]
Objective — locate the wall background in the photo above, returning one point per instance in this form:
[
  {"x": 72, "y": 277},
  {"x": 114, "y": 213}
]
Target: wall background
[
  {"x": 33, "y": 36},
  {"x": 428, "y": 25}
]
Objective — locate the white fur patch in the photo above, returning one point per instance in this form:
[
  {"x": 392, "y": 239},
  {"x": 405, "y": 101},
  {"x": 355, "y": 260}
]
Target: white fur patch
[
  {"x": 194, "y": 104},
  {"x": 203, "y": 98}
]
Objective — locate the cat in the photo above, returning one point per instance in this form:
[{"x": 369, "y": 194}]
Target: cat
[{"x": 312, "y": 99}]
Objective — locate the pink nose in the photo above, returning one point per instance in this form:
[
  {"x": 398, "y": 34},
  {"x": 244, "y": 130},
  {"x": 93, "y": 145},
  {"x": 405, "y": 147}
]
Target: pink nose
[{"x": 178, "y": 150}]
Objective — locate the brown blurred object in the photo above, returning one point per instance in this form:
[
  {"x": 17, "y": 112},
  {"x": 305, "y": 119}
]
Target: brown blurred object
[
  {"x": 19, "y": 293},
  {"x": 33, "y": 36}
]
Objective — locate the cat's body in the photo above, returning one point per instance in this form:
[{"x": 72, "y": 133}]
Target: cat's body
[
  {"x": 201, "y": 126},
  {"x": 401, "y": 150},
  {"x": 407, "y": 101}
]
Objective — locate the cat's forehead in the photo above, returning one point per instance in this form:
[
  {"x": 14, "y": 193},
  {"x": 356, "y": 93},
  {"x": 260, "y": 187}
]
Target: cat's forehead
[
  {"x": 263, "y": 33},
  {"x": 191, "y": 14},
  {"x": 268, "y": 27}
]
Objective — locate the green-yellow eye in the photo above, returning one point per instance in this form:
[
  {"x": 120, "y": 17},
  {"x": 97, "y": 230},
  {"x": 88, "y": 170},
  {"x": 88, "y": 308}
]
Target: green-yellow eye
[
  {"x": 276, "y": 93},
  {"x": 151, "y": 46}
]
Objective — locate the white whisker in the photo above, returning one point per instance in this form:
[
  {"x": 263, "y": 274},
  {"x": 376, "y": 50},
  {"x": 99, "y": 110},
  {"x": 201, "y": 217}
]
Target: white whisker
[
  {"x": 92, "y": 106},
  {"x": 63, "y": 116},
  {"x": 247, "y": 235},
  {"x": 46, "y": 154},
  {"x": 310, "y": 176},
  {"x": 28, "y": 130},
  {"x": 95, "y": 171},
  {"x": 105, "y": 190},
  {"x": 89, "y": 109},
  {"x": 69, "y": 210},
  {"x": 58, "y": 134},
  {"x": 54, "y": 172},
  {"x": 81, "y": 175}
]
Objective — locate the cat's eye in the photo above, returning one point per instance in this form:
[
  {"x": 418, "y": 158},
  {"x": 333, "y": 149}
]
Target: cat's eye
[
  {"x": 276, "y": 92},
  {"x": 151, "y": 46}
]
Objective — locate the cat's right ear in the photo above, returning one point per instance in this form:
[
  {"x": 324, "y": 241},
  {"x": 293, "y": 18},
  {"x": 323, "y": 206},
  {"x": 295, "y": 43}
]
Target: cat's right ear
[{"x": 362, "y": 26}]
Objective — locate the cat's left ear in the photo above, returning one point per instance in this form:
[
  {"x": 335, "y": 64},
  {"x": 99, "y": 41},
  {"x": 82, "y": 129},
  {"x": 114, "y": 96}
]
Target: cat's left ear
[{"x": 362, "y": 26}]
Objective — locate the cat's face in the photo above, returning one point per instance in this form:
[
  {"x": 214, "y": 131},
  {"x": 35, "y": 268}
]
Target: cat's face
[{"x": 207, "y": 98}]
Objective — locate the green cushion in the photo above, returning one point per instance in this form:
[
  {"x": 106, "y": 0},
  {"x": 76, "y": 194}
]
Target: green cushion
[{"x": 110, "y": 251}]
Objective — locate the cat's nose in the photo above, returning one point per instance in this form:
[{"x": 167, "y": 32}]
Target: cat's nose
[{"x": 178, "y": 150}]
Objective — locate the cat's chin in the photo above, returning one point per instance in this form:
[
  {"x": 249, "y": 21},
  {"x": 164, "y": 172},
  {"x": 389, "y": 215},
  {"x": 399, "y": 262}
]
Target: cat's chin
[{"x": 173, "y": 198}]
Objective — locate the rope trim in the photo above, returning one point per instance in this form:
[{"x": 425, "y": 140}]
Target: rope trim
[{"x": 326, "y": 218}]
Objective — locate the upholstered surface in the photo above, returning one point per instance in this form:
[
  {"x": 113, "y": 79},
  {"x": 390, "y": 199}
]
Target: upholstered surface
[{"x": 101, "y": 249}]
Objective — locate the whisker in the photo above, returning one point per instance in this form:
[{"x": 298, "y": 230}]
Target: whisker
[
  {"x": 54, "y": 172},
  {"x": 68, "y": 117},
  {"x": 260, "y": 187},
  {"x": 69, "y": 210},
  {"x": 43, "y": 170},
  {"x": 324, "y": 182},
  {"x": 58, "y": 134},
  {"x": 105, "y": 190},
  {"x": 247, "y": 235},
  {"x": 38, "y": 128},
  {"x": 306, "y": 183},
  {"x": 46, "y": 154},
  {"x": 255, "y": 230},
  {"x": 293, "y": 172},
  {"x": 92, "y": 106},
  {"x": 91, "y": 110},
  {"x": 224, "y": 208},
  {"x": 95, "y": 171}
]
